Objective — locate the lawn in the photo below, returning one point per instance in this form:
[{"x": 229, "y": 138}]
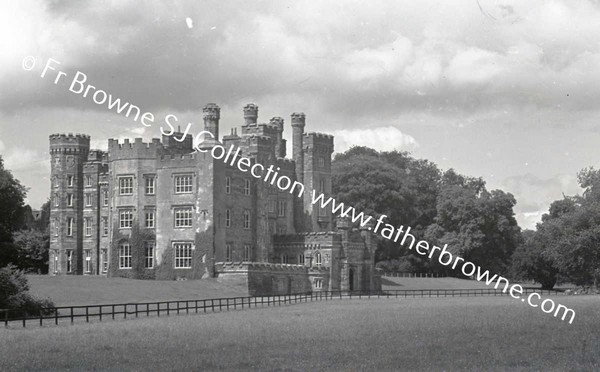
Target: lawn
[
  {"x": 469, "y": 333},
  {"x": 90, "y": 290}
]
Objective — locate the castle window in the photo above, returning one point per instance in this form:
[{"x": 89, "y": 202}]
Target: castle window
[
  {"x": 228, "y": 218},
  {"x": 318, "y": 283},
  {"x": 88, "y": 200},
  {"x": 272, "y": 205},
  {"x": 70, "y": 180},
  {"x": 150, "y": 183},
  {"x": 247, "y": 252},
  {"x": 246, "y": 187},
  {"x": 246, "y": 219},
  {"x": 183, "y": 217},
  {"x": 55, "y": 261},
  {"x": 228, "y": 185},
  {"x": 281, "y": 208},
  {"x": 301, "y": 259},
  {"x": 69, "y": 226},
  {"x": 55, "y": 181},
  {"x": 285, "y": 259},
  {"x": 124, "y": 256},
  {"x": 87, "y": 222},
  {"x": 55, "y": 200},
  {"x": 88, "y": 181},
  {"x": 125, "y": 185},
  {"x": 149, "y": 219},
  {"x": 125, "y": 218},
  {"x": 183, "y": 255},
  {"x": 88, "y": 260},
  {"x": 69, "y": 260},
  {"x": 318, "y": 259},
  {"x": 322, "y": 211},
  {"x": 322, "y": 162},
  {"x": 183, "y": 184},
  {"x": 228, "y": 252},
  {"x": 105, "y": 226},
  {"x": 322, "y": 186},
  {"x": 69, "y": 200},
  {"x": 149, "y": 255},
  {"x": 104, "y": 260},
  {"x": 105, "y": 198}
]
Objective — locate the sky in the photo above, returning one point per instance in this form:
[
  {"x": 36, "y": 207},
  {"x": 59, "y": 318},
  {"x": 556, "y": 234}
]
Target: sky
[{"x": 505, "y": 90}]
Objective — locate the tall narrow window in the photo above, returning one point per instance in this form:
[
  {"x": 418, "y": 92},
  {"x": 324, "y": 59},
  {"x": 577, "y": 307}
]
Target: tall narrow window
[
  {"x": 56, "y": 261},
  {"x": 183, "y": 184},
  {"x": 272, "y": 205},
  {"x": 69, "y": 226},
  {"x": 69, "y": 200},
  {"x": 228, "y": 252},
  {"x": 149, "y": 254},
  {"x": 321, "y": 162},
  {"x": 104, "y": 226},
  {"x": 301, "y": 259},
  {"x": 285, "y": 259},
  {"x": 150, "y": 183},
  {"x": 104, "y": 260},
  {"x": 124, "y": 256},
  {"x": 228, "y": 218},
  {"x": 88, "y": 181},
  {"x": 70, "y": 180},
  {"x": 318, "y": 259},
  {"x": 126, "y": 185},
  {"x": 228, "y": 185},
  {"x": 246, "y": 219},
  {"x": 87, "y": 253},
  {"x": 87, "y": 222},
  {"x": 69, "y": 260},
  {"x": 246, "y": 187},
  {"x": 183, "y": 217},
  {"x": 281, "y": 208},
  {"x": 125, "y": 218},
  {"x": 55, "y": 200},
  {"x": 183, "y": 255},
  {"x": 149, "y": 219},
  {"x": 56, "y": 226},
  {"x": 322, "y": 186},
  {"x": 247, "y": 252},
  {"x": 88, "y": 200},
  {"x": 105, "y": 198}
]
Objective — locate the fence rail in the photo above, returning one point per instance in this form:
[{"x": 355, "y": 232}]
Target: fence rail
[{"x": 53, "y": 315}]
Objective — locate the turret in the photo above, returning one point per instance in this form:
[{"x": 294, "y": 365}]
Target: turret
[
  {"x": 250, "y": 114},
  {"x": 212, "y": 114},
  {"x": 298, "y": 124},
  {"x": 279, "y": 141}
]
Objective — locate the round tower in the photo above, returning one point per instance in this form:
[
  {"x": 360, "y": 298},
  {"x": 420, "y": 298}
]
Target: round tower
[
  {"x": 279, "y": 142},
  {"x": 250, "y": 114},
  {"x": 212, "y": 114},
  {"x": 68, "y": 154}
]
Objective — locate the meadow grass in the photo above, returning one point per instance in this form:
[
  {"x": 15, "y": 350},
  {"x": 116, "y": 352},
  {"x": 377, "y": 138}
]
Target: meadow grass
[
  {"x": 429, "y": 334},
  {"x": 93, "y": 290}
]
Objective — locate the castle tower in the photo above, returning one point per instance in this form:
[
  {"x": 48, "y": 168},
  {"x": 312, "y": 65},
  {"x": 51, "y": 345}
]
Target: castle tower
[
  {"x": 212, "y": 114},
  {"x": 298, "y": 124},
  {"x": 68, "y": 153},
  {"x": 318, "y": 148},
  {"x": 250, "y": 114},
  {"x": 279, "y": 142}
]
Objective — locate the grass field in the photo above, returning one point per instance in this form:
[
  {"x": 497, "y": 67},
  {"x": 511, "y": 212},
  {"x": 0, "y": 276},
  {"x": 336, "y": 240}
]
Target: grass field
[
  {"x": 475, "y": 333},
  {"x": 90, "y": 290}
]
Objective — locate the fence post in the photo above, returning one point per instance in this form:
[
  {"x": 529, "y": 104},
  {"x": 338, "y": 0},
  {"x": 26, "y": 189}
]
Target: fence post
[
  {"x": 55, "y": 317},
  {"x": 71, "y": 316},
  {"x": 87, "y": 314},
  {"x": 41, "y": 318}
]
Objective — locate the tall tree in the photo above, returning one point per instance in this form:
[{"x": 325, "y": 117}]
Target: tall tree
[{"x": 12, "y": 196}]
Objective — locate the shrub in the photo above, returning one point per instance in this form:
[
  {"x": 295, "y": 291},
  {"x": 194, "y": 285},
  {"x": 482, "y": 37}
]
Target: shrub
[{"x": 15, "y": 296}]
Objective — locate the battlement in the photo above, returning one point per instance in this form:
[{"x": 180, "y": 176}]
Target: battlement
[
  {"x": 298, "y": 119},
  {"x": 258, "y": 266},
  {"x": 278, "y": 122},
  {"x": 183, "y": 160},
  {"x": 314, "y": 139},
  {"x": 310, "y": 240},
  {"x": 286, "y": 164},
  {"x": 69, "y": 137},
  {"x": 69, "y": 143},
  {"x": 211, "y": 111},
  {"x": 134, "y": 150}
]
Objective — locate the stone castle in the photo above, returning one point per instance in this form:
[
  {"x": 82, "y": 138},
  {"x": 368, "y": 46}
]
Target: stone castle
[{"x": 163, "y": 210}]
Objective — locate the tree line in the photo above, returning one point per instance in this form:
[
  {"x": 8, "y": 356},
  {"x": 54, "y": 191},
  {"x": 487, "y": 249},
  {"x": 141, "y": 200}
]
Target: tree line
[{"x": 478, "y": 224}]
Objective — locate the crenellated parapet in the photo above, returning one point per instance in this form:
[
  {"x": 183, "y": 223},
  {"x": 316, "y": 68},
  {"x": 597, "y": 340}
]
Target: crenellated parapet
[
  {"x": 318, "y": 141},
  {"x": 288, "y": 165},
  {"x": 69, "y": 143},
  {"x": 134, "y": 150},
  {"x": 250, "y": 114}
]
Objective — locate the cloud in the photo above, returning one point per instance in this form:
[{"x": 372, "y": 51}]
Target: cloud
[{"x": 383, "y": 139}]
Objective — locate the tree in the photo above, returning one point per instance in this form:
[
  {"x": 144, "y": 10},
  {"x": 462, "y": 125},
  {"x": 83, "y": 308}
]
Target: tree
[
  {"x": 12, "y": 196},
  {"x": 531, "y": 261},
  {"x": 15, "y": 296},
  {"x": 32, "y": 250}
]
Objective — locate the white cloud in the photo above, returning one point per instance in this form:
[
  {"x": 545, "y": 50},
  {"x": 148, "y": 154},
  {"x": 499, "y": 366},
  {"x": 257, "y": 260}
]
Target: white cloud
[{"x": 382, "y": 138}]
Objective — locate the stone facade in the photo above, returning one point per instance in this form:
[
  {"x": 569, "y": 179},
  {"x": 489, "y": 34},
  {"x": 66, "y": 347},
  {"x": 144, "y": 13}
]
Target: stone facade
[{"x": 162, "y": 210}]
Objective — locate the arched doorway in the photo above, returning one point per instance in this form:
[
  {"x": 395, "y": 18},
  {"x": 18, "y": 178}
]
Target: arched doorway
[{"x": 351, "y": 280}]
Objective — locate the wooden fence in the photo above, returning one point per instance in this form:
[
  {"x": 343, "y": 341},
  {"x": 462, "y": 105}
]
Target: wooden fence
[{"x": 53, "y": 316}]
